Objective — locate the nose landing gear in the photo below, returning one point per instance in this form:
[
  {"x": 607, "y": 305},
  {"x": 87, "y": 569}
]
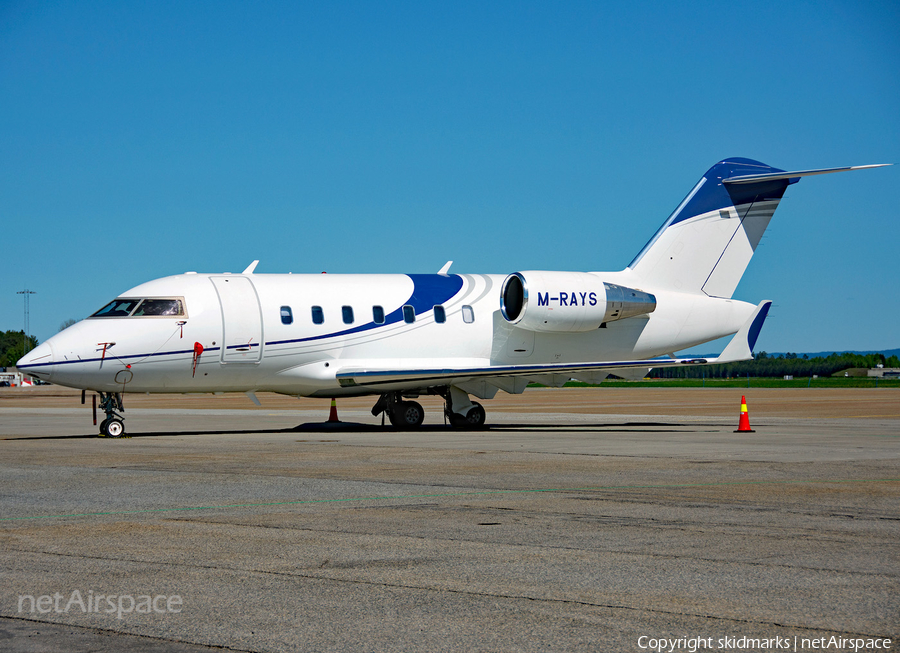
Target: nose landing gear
[{"x": 114, "y": 424}]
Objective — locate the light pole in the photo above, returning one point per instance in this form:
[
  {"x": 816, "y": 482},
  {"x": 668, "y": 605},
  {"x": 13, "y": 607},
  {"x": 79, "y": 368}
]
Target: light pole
[{"x": 26, "y": 293}]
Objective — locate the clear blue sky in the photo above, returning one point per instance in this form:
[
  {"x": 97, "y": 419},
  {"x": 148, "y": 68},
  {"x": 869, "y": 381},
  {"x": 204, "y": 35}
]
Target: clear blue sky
[{"x": 142, "y": 139}]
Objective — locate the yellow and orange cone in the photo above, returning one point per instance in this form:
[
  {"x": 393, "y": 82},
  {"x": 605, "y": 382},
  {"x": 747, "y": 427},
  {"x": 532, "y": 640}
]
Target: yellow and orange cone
[
  {"x": 744, "y": 422},
  {"x": 332, "y": 416}
]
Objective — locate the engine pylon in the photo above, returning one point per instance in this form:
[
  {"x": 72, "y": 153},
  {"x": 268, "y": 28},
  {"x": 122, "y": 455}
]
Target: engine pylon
[{"x": 744, "y": 422}]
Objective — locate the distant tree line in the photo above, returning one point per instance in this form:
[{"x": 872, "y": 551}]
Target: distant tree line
[
  {"x": 778, "y": 366},
  {"x": 12, "y": 346}
]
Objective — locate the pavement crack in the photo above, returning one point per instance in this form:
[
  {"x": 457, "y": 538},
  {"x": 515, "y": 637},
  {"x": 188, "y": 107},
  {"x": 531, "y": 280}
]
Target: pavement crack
[
  {"x": 111, "y": 631},
  {"x": 330, "y": 565}
]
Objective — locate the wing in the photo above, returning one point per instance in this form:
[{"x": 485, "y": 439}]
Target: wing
[{"x": 739, "y": 348}]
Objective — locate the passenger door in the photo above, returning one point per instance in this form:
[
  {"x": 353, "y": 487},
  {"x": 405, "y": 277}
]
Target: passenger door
[{"x": 242, "y": 333}]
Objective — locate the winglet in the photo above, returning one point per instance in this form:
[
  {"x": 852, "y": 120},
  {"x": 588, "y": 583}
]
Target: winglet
[
  {"x": 741, "y": 346},
  {"x": 250, "y": 268}
]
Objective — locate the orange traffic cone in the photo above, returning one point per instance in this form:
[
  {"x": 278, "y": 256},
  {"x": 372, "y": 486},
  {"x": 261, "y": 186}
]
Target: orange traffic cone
[
  {"x": 332, "y": 416},
  {"x": 744, "y": 423}
]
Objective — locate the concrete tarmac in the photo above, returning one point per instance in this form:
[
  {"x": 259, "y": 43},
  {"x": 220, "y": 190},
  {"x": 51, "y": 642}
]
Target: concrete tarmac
[{"x": 216, "y": 528}]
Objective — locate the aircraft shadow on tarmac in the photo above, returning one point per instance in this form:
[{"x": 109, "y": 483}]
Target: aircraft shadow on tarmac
[{"x": 331, "y": 427}]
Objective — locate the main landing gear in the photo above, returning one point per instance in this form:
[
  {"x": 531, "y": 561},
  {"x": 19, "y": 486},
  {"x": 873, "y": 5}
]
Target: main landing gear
[
  {"x": 405, "y": 414},
  {"x": 474, "y": 419},
  {"x": 114, "y": 424}
]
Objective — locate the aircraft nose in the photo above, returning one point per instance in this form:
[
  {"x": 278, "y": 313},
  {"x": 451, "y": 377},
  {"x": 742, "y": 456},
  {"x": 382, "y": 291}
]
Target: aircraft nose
[{"x": 38, "y": 362}]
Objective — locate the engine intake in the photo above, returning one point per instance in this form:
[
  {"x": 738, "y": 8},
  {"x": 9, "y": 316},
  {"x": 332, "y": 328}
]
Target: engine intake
[{"x": 568, "y": 301}]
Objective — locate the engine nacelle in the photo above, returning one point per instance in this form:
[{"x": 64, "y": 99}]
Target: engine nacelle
[{"x": 568, "y": 301}]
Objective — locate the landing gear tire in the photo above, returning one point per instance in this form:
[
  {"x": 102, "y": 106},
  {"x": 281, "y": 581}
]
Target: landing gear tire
[
  {"x": 473, "y": 420},
  {"x": 112, "y": 428},
  {"x": 407, "y": 415},
  {"x": 115, "y": 428}
]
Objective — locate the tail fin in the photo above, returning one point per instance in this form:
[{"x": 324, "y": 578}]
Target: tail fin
[
  {"x": 707, "y": 242},
  {"x": 705, "y": 245}
]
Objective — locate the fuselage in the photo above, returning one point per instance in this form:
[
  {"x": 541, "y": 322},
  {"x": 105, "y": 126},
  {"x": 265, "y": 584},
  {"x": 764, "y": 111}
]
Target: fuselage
[
  {"x": 452, "y": 335},
  {"x": 292, "y": 334}
]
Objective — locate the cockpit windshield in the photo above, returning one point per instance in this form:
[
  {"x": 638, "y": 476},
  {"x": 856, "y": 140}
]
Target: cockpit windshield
[
  {"x": 159, "y": 307},
  {"x": 148, "y": 307},
  {"x": 117, "y": 308}
]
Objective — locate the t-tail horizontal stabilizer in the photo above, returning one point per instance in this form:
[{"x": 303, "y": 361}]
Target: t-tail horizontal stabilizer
[{"x": 752, "y": 179}]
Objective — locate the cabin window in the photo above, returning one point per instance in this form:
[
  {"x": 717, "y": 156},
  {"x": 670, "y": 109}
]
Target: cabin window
[
  {"x": 378, "y": 314},
  {"x": 318, "y": 315},
  {"x": 347, "y": 313},
  {"x": 440, "y": 315},
  {"x": 409, "y": 314},
  {"x": 468, "y": 314},
  {"x": 287, "y": 316}
]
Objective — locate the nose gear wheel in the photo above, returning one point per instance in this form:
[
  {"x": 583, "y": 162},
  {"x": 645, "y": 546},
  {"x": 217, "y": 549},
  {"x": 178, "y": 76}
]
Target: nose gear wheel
[{"x": 114, "y": 424}]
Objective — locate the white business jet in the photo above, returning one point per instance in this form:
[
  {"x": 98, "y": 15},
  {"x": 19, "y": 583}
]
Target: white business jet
[{"x": 453, "y": 335}]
